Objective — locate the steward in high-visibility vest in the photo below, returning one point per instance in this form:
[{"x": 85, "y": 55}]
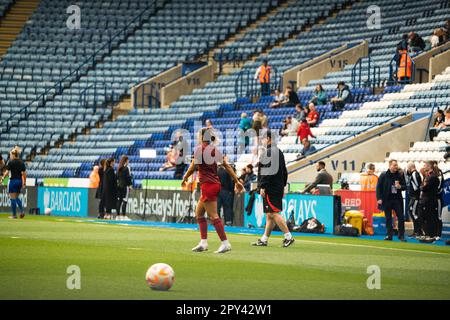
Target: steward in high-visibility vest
[
  {"x": 404, "y": 67},
  {"x": 263, "y": 75}
]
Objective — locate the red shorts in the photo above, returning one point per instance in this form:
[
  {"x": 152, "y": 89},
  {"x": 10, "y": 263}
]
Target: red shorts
[{"x": 209, "y": 191}]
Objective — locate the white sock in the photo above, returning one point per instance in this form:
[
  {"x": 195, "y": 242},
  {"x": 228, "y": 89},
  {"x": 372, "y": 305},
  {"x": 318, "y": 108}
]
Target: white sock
[
  {"x": 288, "y": 236},
  {"x": 264, "y": 238},
  {"x": 225, "y": 243},
  {"x": 204, "y": 242}
]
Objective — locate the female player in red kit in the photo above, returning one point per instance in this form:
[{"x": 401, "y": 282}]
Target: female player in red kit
[{"x": 206, "y": 157}]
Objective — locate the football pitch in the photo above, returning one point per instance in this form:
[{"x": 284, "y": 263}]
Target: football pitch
[{"x": 35, "y": 253}]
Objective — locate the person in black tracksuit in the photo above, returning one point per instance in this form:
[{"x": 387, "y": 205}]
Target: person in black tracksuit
[
  {"x": 272, "y": 178},
  {"x": 99, "y": 192},
  {"x": 413, "y": 183},
  {"x": 429, "y": 201},
  {"x": 440, "y": 195},
  {"x": 124, "y": 183},
  {"x": 109, "y": 188},
  {"x": 389, "y": 196},
  {"x": 226, "y": 195}
]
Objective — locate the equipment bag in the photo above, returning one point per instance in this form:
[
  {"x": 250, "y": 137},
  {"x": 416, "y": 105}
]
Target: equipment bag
[{"x": 344, "y": 230}]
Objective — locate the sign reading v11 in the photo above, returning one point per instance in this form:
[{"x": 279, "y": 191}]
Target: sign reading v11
[{"x": 346, "y": 165}]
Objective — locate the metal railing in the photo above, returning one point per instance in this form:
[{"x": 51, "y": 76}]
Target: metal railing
[
  {"x": 247, "y": 86},
  {"x": 94, "y": 88},
  {"x": 394, "y": 69},
  {"x": 373, "y": 78},
  {"x": 231, "y": 57},
  {"x": 59, "y": 86},
  {"x": 430, "y": 119}
]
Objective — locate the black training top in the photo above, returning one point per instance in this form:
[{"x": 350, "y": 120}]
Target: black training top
[
  {"x": 15, "y": 167},
  {"x": 272, "y": 171}
]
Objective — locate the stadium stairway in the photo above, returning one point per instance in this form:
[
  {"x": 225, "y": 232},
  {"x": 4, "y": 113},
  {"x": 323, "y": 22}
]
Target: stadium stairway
[{"x": 14, "y": 20}]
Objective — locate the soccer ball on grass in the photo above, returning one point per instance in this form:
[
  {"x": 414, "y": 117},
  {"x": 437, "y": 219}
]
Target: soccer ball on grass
[{"x": 160, "y": 276}]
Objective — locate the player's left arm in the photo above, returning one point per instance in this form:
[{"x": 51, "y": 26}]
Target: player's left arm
[{"x": 24, "y": 179}]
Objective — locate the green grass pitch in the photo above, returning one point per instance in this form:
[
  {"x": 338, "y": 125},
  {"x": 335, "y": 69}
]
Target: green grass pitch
[{"x": 35, "y": 253}]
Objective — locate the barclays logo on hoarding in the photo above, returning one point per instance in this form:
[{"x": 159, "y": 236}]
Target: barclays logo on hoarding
[{"x": 64, "y": 201}]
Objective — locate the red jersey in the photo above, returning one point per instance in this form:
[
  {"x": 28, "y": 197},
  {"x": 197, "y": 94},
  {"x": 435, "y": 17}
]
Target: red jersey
[
  {"x": 206, "y": 157},
  {"x": 304, "y": 131},
  {"x": 313, "y": 116}
]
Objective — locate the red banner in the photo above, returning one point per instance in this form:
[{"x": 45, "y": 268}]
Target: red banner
[{"x": 365, "y": 201}]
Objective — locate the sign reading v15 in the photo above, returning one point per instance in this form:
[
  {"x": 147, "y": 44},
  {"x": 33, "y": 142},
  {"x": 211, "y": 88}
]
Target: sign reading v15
[
  {"x": 340, "y": 63},
  {"x": 345, "y": 165}
]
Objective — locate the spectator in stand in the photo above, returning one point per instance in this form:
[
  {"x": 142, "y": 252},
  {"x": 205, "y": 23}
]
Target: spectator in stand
[
  {"x": 389, "y": 197},
  {"x": 263, "y": 75},
  {"x": 304, "y": 131},
  {"x": 99, "y": 192},
  {"x": 245, "y": 124},
  {"x": 260, "y": 121},
  {"x": 209, "y": 124},
  {"x": 439, "y": 122},
  {"x": 171, "y": 160},
  {"x": 413, "y": 183},
  {"x": 124, "y": 184},
  {"x": 415, "y": 42},
  {"x": 291, "y": 127},
  {"x": 320, "y": 97},
  {"x": 299, "y": 113},
  {"x": 306, "y": 111},
  {"x": 368, "y": 180},
  {"x": 94, "y": 178},
  {"x": 307, "y": 148},
  {"x": 279, "y": 98},
  {"x": 313, "y": 116},
  {"x": 110, "y": 188},
  {"x": 291, "y": 98},
  {"x": 429, "y": 216},
  {"x": 344, "y": 96},
  {"x": 403, "y": 44},
  {"x": 226, "y": 194},
  {"x": 248, "y": 177},
  {"x": 323, "y": 177},
  {"x": 437, "y": 38}
]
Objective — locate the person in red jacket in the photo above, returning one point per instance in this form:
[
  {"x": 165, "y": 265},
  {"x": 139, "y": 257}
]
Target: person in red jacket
[
  {"x": 313, "y": 116},
  {"x": 304, "y": 131}
]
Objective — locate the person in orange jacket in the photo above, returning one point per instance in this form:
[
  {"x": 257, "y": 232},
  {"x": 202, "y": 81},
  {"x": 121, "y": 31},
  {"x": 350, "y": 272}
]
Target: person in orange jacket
[
  {"x": 368, "y": 180},
  {"x": 405, "y": 66},
  {"x": 263, "y": 74},
  {"x": 94, "y": 178}
]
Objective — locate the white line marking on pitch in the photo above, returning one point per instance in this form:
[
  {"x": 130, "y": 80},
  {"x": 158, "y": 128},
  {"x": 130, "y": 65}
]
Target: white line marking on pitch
[
  {"x": 135, "y": 248},
  {"x": 15, "y": 237},
  {"x": 372, "y": 247}
]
